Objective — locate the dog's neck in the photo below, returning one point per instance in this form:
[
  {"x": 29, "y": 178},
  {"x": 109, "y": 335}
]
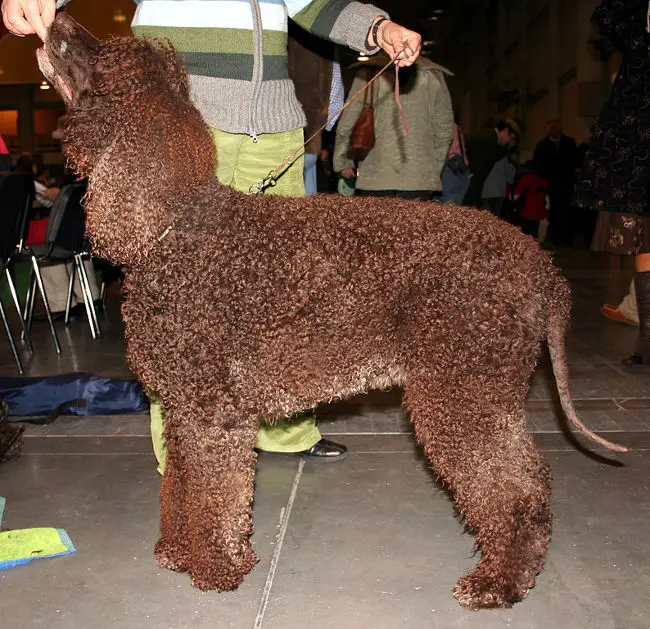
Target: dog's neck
[{"x": 126, "y": 216}]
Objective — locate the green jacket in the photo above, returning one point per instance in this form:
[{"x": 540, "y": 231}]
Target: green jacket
[{"x": 414, "y": 162}]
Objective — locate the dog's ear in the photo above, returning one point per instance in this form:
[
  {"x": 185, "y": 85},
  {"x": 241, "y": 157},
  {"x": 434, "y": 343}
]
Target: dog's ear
[
  {"x": 130, "y": 68},
  {"x": 139, "y": 97}
]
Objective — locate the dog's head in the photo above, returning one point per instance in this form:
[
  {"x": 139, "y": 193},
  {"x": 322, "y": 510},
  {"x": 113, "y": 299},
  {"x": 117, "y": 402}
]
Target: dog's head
[
  {"x": 67, "y": 57},
  {"x": 116, "y": 87},
  {"x": 131, "y": 129}
]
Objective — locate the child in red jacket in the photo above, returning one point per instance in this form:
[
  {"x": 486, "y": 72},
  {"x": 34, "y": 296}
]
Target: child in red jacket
[{"x": 531, "y": 197}]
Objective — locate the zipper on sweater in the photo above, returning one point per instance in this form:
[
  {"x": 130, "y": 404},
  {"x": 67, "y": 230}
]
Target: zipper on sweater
[{"x": 258, "y": 64}]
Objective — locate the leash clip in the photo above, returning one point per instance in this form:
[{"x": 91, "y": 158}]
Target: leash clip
[
  {"x": 266, "y": 182},
  {"x": 165, "y": 233}
]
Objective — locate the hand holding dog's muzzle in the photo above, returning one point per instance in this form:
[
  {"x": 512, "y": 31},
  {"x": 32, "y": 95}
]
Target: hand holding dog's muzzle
[{"x": 26, "y": 17}]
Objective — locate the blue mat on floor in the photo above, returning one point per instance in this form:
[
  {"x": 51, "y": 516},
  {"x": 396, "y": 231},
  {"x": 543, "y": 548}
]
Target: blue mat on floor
[{"x": 72, "y": 394}]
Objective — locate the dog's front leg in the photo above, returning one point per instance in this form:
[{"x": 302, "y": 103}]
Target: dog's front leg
[
  {"x": 173, "y": 549},
  {"x": 216, "y": 468}
]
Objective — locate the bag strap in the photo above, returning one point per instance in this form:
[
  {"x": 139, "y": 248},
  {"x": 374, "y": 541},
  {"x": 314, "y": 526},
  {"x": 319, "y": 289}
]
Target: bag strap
[
  {"x": 370, "y": 85},
  {"x": 45, "y": 420},
  {"x": 259, "y": 186}
]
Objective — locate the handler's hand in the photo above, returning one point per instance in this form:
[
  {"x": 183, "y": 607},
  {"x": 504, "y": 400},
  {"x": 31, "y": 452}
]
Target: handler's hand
[
  {"x": 24, "y": 17},
  {"x": 348, "y": 173},
  {"x": 400, "y": 42}
]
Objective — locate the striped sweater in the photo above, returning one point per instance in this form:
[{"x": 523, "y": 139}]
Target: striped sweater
[{"x": 236, "y": 52}]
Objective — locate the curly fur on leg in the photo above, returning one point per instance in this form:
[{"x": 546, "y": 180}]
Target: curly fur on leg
[
  {"x": 501, "y": 486},
  {"x": 217, "y": 473},
  {"x": 173, "y": 548}
]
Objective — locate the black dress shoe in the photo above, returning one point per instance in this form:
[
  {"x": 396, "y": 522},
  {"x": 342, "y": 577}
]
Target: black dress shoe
[{"x": 326, "y": 451}]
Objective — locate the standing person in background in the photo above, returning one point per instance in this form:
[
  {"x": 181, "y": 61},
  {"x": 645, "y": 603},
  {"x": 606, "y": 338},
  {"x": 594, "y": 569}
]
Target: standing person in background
[
  {"x": 495, "y": 188},
  {"x": 615, "y": 178},
  {"x": 455, "y": 174},
  {"x": 484, "y": 149},
  {"x": 236, "y": 57},
  {"x": 585, "y": 218},
  {"x": 407, "y": 167},
  {"x": 319, "y": 88},
  {"x": 557, "y": 160},
  {"x": 327, "y": 177}
]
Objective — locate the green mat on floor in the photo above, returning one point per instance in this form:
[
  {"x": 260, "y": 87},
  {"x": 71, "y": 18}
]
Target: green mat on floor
[
  {"x": 24, "y": 545},
  {"x": 20, "y": 274}
]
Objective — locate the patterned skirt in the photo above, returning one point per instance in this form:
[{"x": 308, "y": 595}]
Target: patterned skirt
[{"x": 622, "y": 234}]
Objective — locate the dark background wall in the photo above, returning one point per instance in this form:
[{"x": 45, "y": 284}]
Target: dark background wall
[{"x": 536, "y": 59}]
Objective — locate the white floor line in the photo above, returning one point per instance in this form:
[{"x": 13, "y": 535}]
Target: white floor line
[{"x": 285, "y": 514}]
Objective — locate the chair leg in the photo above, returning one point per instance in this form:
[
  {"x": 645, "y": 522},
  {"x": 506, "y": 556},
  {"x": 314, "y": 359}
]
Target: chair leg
[
  {"x": 102, "y": 294},
  {"x": 28, "y": 296},
  {"x": 41, "y": 288},
  {"x": 14, "y": 349},
  {"x": 68, "y": 303},
  {"x": 28, "y": 314},
  {"x": 78, "y": 261},
  {"x": 88, "y": 297},
  {"x": 25, "y": 334}
]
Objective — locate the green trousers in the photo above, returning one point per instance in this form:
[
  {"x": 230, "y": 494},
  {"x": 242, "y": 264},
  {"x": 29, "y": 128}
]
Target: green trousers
[{"x": 241, "y": 162}]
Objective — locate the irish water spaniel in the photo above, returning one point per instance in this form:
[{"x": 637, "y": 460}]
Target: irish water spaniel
[{"x": 241, "y": 306}]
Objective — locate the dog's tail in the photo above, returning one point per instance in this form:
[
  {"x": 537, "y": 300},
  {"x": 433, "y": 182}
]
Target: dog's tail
[{"x": 558, "y": 323}]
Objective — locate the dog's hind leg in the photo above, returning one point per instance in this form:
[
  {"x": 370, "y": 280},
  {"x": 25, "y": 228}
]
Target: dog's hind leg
[
  {"x": 478, "y": 446},
  {"x": 216, "y": 469}
]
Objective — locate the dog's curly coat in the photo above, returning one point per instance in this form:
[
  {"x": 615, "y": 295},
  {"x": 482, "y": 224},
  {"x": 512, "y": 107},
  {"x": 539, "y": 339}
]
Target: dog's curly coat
[{"x": 261, "y": 305}]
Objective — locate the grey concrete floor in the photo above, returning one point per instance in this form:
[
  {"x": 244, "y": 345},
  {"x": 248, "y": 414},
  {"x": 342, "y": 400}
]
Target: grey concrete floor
[{"x": 372, "y": 542}]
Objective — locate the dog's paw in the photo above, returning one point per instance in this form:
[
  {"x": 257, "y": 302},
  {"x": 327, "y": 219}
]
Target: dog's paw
[
  {"x": 170, "y": 557},
  {"x": 477, "y": 591},
  {"x": 221, "y": 574},
  {"x": 217, "y": 582}
]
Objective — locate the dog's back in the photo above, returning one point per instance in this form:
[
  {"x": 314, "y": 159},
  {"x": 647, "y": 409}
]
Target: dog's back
[{"x": 349, "y": 290}]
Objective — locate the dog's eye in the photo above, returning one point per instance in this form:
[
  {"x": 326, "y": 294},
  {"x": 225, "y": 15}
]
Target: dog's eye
[{"x": 64, "y": 47}]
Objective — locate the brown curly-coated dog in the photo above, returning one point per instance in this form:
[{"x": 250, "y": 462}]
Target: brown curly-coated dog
[{"x": 239, "y": 306}]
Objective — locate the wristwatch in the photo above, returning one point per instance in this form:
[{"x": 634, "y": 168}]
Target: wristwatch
[{"x": 375, "y": 30}]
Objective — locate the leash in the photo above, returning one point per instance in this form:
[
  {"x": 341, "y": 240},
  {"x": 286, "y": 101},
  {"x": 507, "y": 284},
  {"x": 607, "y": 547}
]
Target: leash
[{"x": 269, "y": 180}]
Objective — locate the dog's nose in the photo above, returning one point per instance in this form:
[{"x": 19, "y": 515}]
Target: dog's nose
[
  {"x": 63, "y": 20},
  {"x": 67, "y": 26}
]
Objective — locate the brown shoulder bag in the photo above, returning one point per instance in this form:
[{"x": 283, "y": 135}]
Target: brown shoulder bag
[{"x": 362, "y": 138}]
